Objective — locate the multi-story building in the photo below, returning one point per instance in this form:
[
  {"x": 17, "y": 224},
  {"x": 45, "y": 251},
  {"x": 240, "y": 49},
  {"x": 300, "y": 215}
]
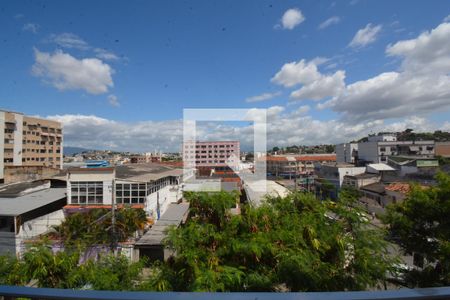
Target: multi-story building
[
  {"x": 292, "y": 165},
  {"x": 346, "y": 152},
  {"x": 148, "y": 186},
  {"x": 218, "y": 154},
  {"x": 379, "y": 151},
  {"x": 29, "y": 141}
]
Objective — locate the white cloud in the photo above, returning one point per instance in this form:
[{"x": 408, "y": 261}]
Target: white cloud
[
  {"x": 105, "y": 54},
  {"x": 330, "y": 21},
  {"x": 315, "y": 85},
  {"x": 284, "y": 128},
  {"x": 69, "y": 40},
  {"x": 291, "y": 18},
  {"x": 325, "y": 86},
  {"x": 262, "y": 97},
  {"x": 365, "y": 36},
  {"x": 447, "y": 19},
  {"x": 66, "y": 72},
  {"x": 31, "y": 27},
  {"x": 421, "y": 86},
  {"x": 428, "y": 53},
  {"x": 113, "y": 100},
  {"x": 295, "y": 73}
]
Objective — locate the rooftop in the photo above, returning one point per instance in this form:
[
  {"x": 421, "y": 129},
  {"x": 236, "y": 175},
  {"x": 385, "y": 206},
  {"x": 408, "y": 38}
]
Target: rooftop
[
  {"x": 256, "y": 195},
  {"x": 380, "y": 167},
  {"x": 21, "y": 188},
  {"x": 375, "y": 188},
  {"x": 174, "y": 215},
  {"x": 22, "y": 204},
  {"x": 145, "y": 172}
]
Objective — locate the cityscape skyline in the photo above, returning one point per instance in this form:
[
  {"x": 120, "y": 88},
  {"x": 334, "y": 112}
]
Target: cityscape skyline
[{"x": 329, "y": 71}]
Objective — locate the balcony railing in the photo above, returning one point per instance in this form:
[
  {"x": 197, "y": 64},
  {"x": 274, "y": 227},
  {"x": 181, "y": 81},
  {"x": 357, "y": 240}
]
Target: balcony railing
[{"x": 45, "y": 293}]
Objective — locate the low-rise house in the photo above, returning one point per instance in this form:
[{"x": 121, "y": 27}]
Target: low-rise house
[{"x": 360, "y": 180}]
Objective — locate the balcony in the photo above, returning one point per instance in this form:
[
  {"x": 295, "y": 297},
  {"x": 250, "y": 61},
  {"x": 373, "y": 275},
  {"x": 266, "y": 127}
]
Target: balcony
[{"x": 46, "y": 293}]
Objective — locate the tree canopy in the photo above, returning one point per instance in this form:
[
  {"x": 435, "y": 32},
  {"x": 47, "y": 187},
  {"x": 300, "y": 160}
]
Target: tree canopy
[
  {"x": 295, "y": 243},
  {"x": 85, "y": 229},
  {"x": 421, "y": 226}
]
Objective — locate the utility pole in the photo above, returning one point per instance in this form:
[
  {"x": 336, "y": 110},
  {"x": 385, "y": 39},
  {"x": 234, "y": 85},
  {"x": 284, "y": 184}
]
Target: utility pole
[{"x": 113, "y": 218}]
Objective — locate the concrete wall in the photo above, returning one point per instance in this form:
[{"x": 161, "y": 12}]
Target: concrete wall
[
  {"x": 18, "y": 136},
  {"x": 14, "y": 174},
  {"x": 35, "y": 227},
  {"x": 443, "y": 149},
  {"x": 368, "y": 151},
  {"x": 165, "y": 196}
]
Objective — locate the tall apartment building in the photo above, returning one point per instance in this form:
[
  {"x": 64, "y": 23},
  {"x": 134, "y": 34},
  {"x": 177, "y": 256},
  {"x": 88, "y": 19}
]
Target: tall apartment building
[
  {"x": 29, "y": 141},
  {"x": 212, "y": 154}
]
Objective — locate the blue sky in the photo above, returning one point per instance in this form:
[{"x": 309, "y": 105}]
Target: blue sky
[{"x": 128, "y": 63}]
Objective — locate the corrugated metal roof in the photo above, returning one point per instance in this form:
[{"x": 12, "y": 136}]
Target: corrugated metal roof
[{"x": 20, "y": 205}]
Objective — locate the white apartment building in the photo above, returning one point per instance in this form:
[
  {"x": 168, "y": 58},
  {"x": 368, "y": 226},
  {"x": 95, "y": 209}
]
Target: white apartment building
[
  {"x": 379, "y": 151},
  {"x": 346, "y": 152},
  {"x": 145, "y": 186}
]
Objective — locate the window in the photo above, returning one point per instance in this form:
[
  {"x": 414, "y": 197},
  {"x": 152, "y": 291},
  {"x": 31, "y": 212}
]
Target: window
[{"x": 87, "y": 192}]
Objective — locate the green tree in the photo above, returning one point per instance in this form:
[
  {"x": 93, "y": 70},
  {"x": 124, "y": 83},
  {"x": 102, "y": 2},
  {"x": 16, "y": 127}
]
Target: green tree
[
  {"x": 421, "y": 226},
  {"x": 49, "y": 269},
  {"x": 94, "y": 227},
  {"x": 296, "y": 243}
]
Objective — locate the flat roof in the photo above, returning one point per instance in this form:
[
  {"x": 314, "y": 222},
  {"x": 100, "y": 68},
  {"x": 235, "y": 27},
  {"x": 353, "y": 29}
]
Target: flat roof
[
  {"x": 174, "y": 215},
  {"x": 20, "y": 205},
  {"x": 255, "y": 196},
  {"x": 145, "y": 172},
  {"x": 381, "y": 167}
]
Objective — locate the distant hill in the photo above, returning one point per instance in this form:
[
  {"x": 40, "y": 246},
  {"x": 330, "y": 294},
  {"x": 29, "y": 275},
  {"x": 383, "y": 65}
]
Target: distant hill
[{"x": 73, "y": 150}]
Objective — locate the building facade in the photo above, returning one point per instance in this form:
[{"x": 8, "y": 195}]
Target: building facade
[
  {"x": 346, "y": 152},
  {"x": 292, "y": 165},
  {"x": 379, "y": 151},
  {"x": 212, "y": 154},
  {"x": 29, "y": 141},
  {"x": 140, "y": 186}
]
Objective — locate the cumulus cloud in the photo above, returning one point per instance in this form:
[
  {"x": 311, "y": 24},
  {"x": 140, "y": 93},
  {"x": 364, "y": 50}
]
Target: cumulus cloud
[
  {"x": 69, "y": 40},
  {"x": 315, "y": 85},
  {"x": 330, "y": 21},
  {"x": 31, "y": 27},
  {"x": 447, "y": 19},
  {"x": 291, "y": 18},
  {"x": 422, "y": 85},
  {"x": 284, "y": 128},
  {"x": 262, "y": 97},
  {"x": 66, "y": 72},
  {"x": 113, "y": 100},
  {"x": 365, "y": 36}
]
